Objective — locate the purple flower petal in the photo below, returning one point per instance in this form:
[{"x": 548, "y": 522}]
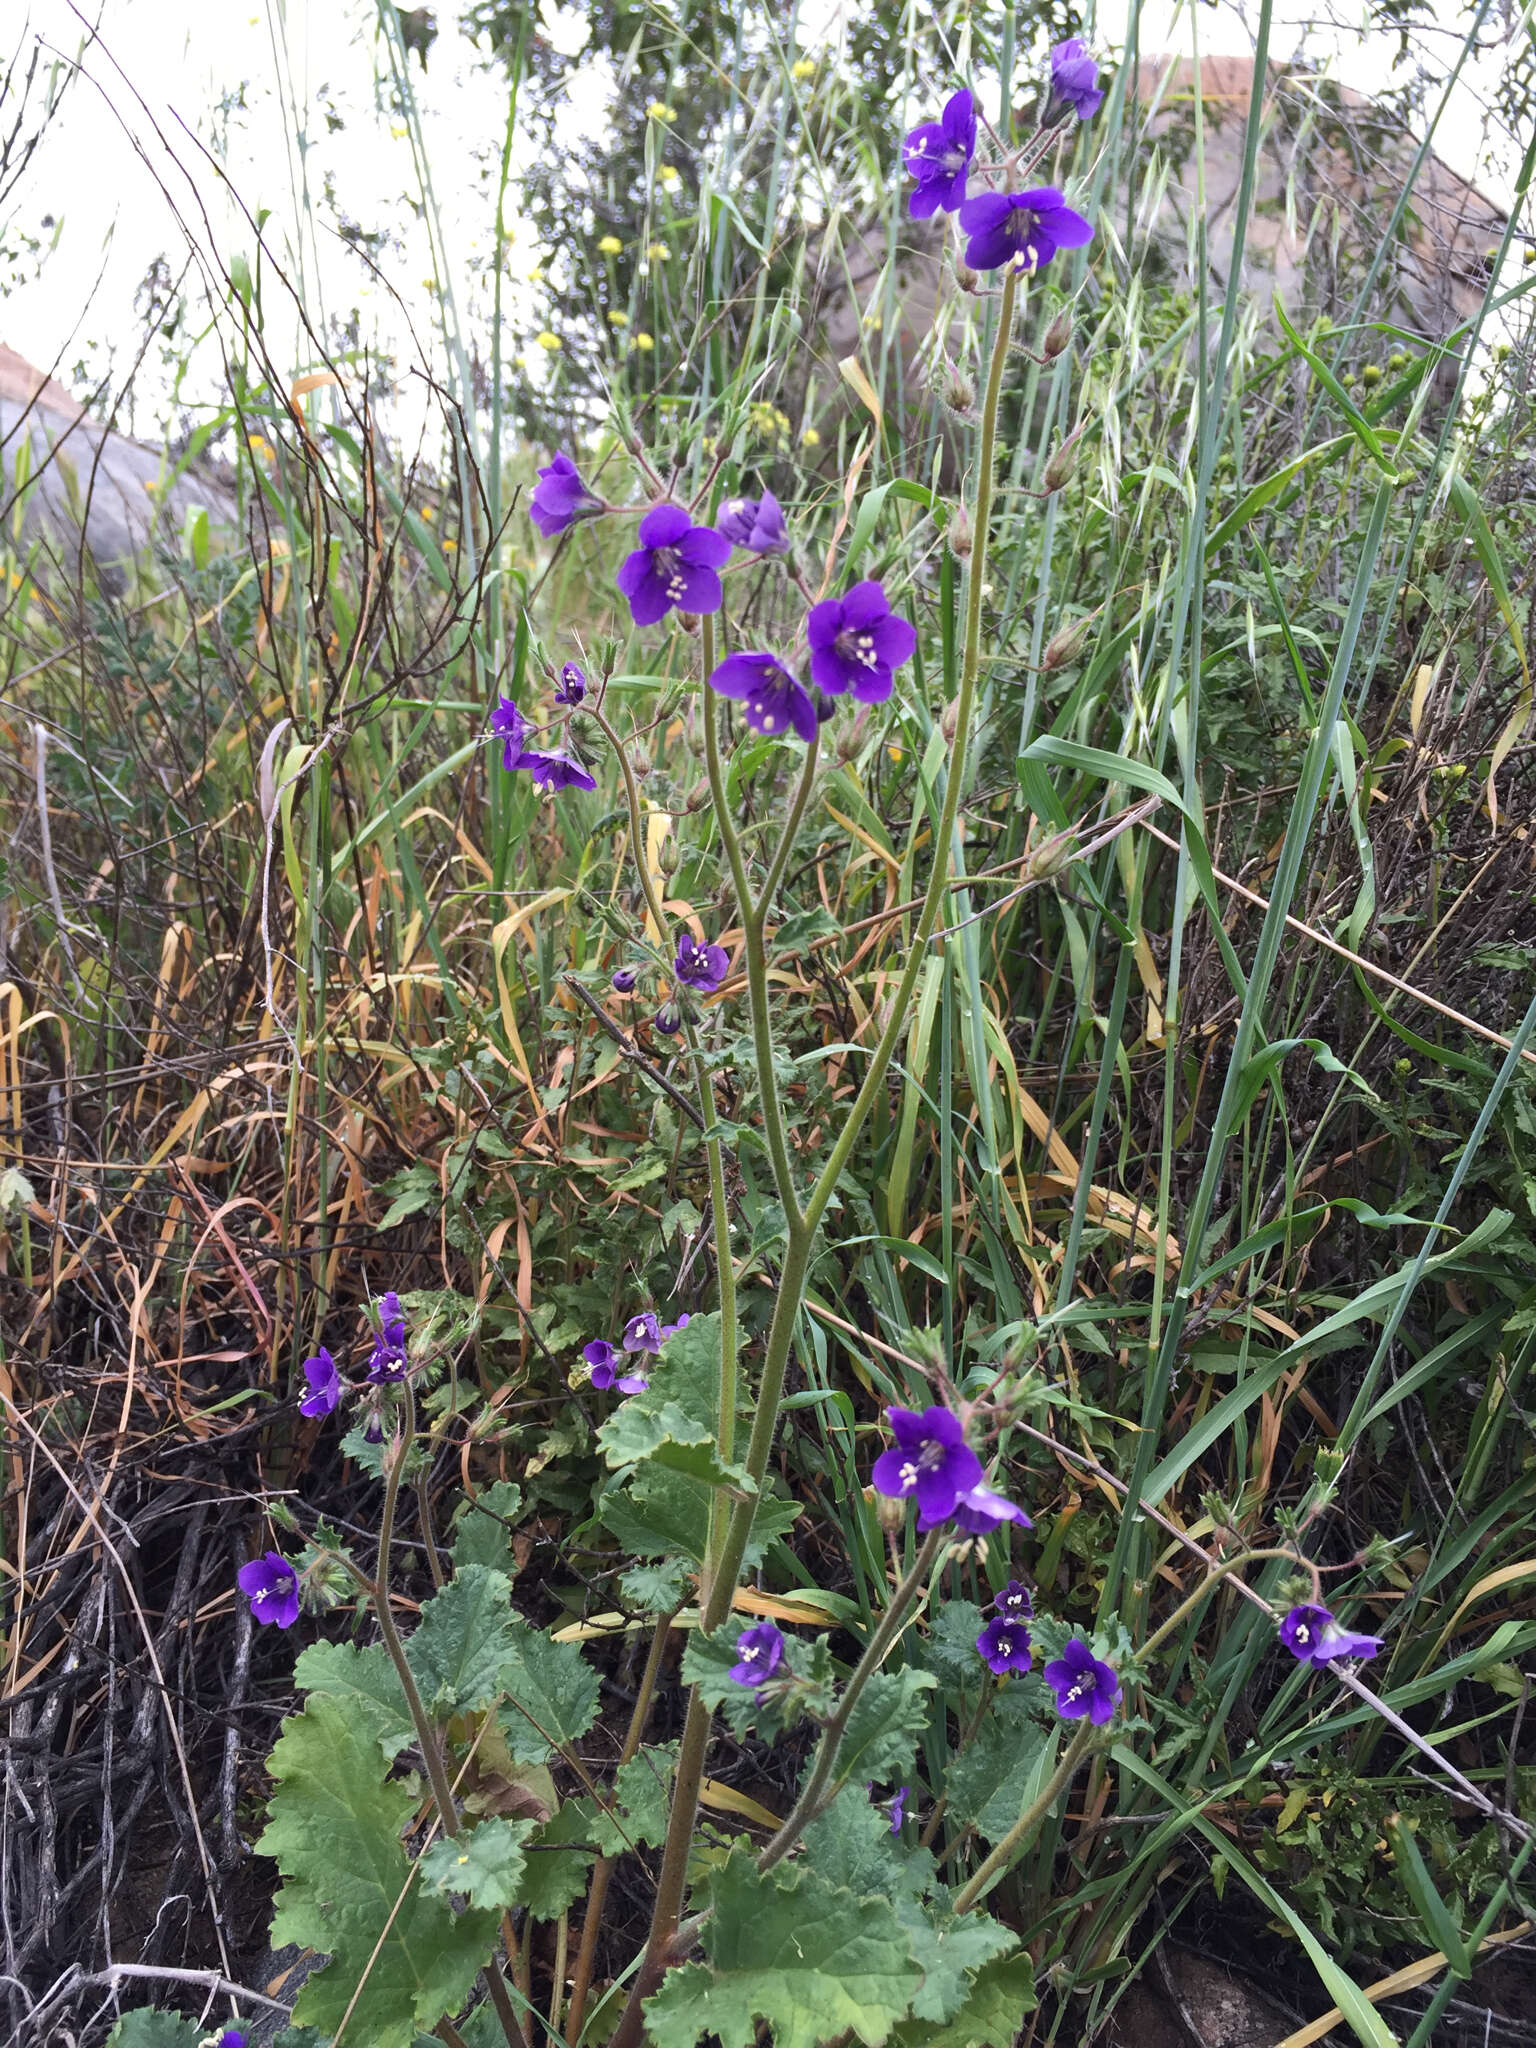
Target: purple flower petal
[
  {"x": 271, "y": 1585},
  {"x": 560, "y": 498},
  {"x": 938, "y": 154},
  {"x": 1082, "y": 1684},
  {"x": 1312, "y": 1635},
  {"x": 324, "y": 1384},
  {"x": 1004, "y": 1645},
  {"x": 759, "y": 1653}
]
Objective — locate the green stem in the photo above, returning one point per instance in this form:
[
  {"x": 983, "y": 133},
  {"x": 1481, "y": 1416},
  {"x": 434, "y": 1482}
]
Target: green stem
[
  {"x": 1214, "y": 1579},
  {"x": 814, "y": 1799},
  {"x": 756, "y": 957},
  {"x": 786, "y": 845},
  {"x": 880, "y": 1059},
  {"x": 1027, "y": 1821}
]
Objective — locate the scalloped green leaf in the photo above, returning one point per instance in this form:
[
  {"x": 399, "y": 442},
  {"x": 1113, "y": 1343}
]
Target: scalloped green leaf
[
  {"x": 481, "y": 1534},
  {"x": 950, "y": 1648},
  {"x": 462, "y": 1641},
  {"x": 334, "y": 1830},
  {"x": 815, "y": 1961},
  {"x": 552, "y": 1694},
  {"x": 146, "y": 2028},
  {"x": 487, "y": 1865},
  {"x": 1000, "y": 1996},
  {"x": 367, "y": 1684},
  {"x": 989, "y": 1784},
  {"x": 949, "y": 1948},
  {"x": 667, "y": 1435},
  {"x": 659, "y": 1513},
  {"x": 886, "y": 1725}
]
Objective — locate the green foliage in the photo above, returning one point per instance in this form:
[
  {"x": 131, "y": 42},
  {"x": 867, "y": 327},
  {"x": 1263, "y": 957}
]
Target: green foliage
[
  {"x": 366, "y": 1683},
  {"x": 814, "y": 1960},
  {"x": 463, "y": 1644},
  {"x": 486, "y": 1865},
  {"x": 144, "y": 2028},
  {"x": 481, "y": 1531},
  {"x": 1001, "y": 1995},
  {"x": 334, "y": 1830},
  {"x": 990, "y": 1783},
  {"x": 552, "y": 1693}
]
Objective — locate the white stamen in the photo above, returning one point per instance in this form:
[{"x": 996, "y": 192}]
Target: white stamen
[{"x": 907, "y": 1474}]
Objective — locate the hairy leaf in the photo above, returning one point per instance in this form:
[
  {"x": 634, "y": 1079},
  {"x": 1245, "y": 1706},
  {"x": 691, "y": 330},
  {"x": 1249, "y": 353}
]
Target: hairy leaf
[
  {"x": 950, "y": 1648},
  {"x": 487, "y": 1865},
  {"x": 813, "y": 1960},
  {"x": 948, "y": 1948},
  {"x": 145, "y": 2028},
  {"x": 886, "y": 1726},
  {"x": 480, "y": 1532},
  {"x": 990, "y": 1783},
  {"x": 658, "y": 1513},
  {"x": 366, "y": 1682},
  {"x": 552, "y": 1690},
  {"x": 334, "y": 1828},
  {"x": 465, "y": 1634},
  {"x": 992, "y": 2015}
]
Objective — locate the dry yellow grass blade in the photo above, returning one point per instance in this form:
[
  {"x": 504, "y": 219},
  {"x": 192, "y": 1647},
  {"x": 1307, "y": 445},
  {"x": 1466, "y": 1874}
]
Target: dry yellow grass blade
[{"x": 1407, "y": 1979}]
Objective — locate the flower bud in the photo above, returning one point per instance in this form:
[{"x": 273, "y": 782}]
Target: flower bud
[
  {"x": 958, "y": 532},
  {"x": 890, "y": 1513},
  {"x": 624, "y": 979},
  {"x": 669, "y": 858},
  {"x": 958, "y": 392},
  {"x": 1052, "y": 855},
  {"x": 669, "y": 1019},
  {"x": 1064, "y": 645},
  {"x": 1057, "y": 335},
  {"x": 966, "y": 278},
  {"x": 949, "y": 721},
  {"x": 1058, "y": 470},
  {"x": 1370, "y": 375}
]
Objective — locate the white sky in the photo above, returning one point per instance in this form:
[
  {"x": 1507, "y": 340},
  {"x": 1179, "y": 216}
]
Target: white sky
[{"x": 95, "y": 174}]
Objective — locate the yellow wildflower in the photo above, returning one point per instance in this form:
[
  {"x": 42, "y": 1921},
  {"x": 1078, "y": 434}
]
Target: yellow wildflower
[
  {"x": 610, "y": 245},
  {"x": 660, "y": 111},
  {"x": 669, "y": 176},
  {"x": 618, "y": 319},
  {"x": 549, "y": 341},
  {"x": 644, "y": 343},
  {"x": 658, "y": 252},
  {"x": 809, "y": 438},
  {"x": 803, "y": 67}
]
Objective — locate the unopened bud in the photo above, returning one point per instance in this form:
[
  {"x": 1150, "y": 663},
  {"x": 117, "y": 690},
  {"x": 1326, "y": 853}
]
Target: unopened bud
[
  {"x": 1060, "y": 467},
  {"x": 966, "y": 278},
  {"x": 1370, "y": 375},
  {"x": 1064, "y": 645},
  {"x": 958, "y": 532},
  {"x": 889, "y": 1513},
  {"x": 624, "y": 979},
  {"x": 668, "y": 858},
  {"x": 669, "y": 1019},
  {"x": 1052, "y": 855},
  {"x": 949, "y": 720},
  {"x": 958, "y": 392},
  {"x": 1057, "y": 335}
]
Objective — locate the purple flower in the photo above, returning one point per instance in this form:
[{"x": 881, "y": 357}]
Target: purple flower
[
  {"x": 556, "y": 769},
  {"x": 1312, "y": 1634},
  {"x": 931, "y": 1459},
  {"x": 388, "y": 1360},
  {"x": 675, "y": 564},
  {"x": 774, "y": 699},
  {"x": 1022, "y": 228},
  {"x": 1005, "y": 1646},
  {"x": 938, "y": 154},
  {"x": 271, "y": 1585},
  {"x": 899, "y": 1808},
  {"x": 1014, "y": 1601},
  {"x": 754, "y": 523},
  {"x": 560, "y": 498},
  {"x": 643, "y": 1333},
  {"x": 509, "y": 724},
  {"x": 1082, "y": 1684},
  {"x": 373, "y": 1428},
  {"x": 604, "y": 1361},
  {"x": 669, "y": 1019},
  {"x": 1074, "y": 81},
  {"x": 624, "y": 979},
  {"x": 759, "y": 1653},
  {"x": 856, "y": 641},
  {"x": 324, "y": 1384},
  {"x": 572, "y": 686},
  {"x": 979, "y": 1511},
  {"x": 230, "y": 2038},
  {"x": 700, "y": 967}
]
